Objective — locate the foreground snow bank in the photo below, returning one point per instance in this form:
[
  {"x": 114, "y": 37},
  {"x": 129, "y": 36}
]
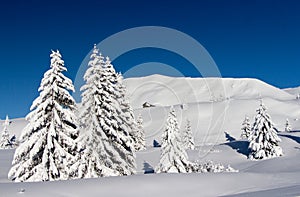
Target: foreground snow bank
[{"x": 157, "y": 185}]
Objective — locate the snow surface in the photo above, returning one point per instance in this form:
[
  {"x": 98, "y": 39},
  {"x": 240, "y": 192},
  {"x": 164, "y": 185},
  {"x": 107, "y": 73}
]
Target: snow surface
[
  {"x": 216, "y": 119},
  {"x": 293, "y": 91}
]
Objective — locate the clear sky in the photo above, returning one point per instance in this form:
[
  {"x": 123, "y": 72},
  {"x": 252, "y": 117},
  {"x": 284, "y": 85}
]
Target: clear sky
[{"x": 257, "y": 38}]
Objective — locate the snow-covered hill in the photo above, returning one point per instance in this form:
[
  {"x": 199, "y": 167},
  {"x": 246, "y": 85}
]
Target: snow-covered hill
[
  {"x": 165, "y": 91},
  {"x": 216, "y": 108},
  {"x": 214, "y": 105}
]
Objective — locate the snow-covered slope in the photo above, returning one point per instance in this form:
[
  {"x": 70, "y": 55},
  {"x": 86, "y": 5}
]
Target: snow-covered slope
[
  {"x": 293, "y": 91},
  {"x": 210, "y": 121},
  {"x": 273, "y": 177},
  {"x": 214, "y": 105},
  {"x": 165, "y": 91}
]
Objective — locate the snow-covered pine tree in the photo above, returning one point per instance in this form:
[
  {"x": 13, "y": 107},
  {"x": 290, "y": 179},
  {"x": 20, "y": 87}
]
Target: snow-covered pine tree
[
  {"x": 94, "y": 143},
  {"x": 141, "y": 134},
  {"x": 47, "y": 143},
  {"x": 128, "y": 118},
  {"x": 119, "y": 133},
  {"x": 107, "y": 147},
  {"x": 5, "y": 140},
  {"x": 173, "y": 158},
  {"x": 288, "y": 127},
  {"x": 246, "y": 128},
  {"x": 10, "y": 141},
  {"x": 188, "y": 139},
  {"x": 264, "y": 141}
]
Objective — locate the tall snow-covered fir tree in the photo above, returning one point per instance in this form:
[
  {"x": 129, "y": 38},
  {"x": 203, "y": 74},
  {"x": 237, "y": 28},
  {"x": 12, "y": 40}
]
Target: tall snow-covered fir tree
[
  {"x": 127, "y": 115},
  {"x": 120, "y": 121},
  {"x": 107, "y": 146},
  {"x": 47, "y": 144},
  {"x": 288, "y": 127},
  {"x": 173, "y": 158},
  {"x": 246, "y": 128},
  {"x": 264, "y": 141},
  {"x": 92, "y": 161},
  {"x": 188, "y": 139},
  {"x": 4, "y": 139}
]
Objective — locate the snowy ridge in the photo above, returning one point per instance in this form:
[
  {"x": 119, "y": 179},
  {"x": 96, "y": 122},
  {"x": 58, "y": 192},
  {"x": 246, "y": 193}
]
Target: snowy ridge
[
  {"x": 166, "y": 91},
  {"x": 293, "y": 91}
]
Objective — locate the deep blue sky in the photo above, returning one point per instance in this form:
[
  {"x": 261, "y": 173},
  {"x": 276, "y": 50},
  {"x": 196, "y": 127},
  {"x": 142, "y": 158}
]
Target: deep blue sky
[{"x": 259, "y": 39}]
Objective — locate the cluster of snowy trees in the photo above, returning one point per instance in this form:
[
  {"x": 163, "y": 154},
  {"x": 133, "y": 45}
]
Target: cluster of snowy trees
[
  {"x": 63, "y": 141},
  {"x": 99, "y": 137},
  {"x": 262, "y": 136},
  {"x": 7, "y": 141},
  {"x": 174, "y": 158}
]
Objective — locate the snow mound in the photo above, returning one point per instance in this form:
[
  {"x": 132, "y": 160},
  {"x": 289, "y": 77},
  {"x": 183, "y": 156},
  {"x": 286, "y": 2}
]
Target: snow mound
[{"x": 211, "y": 167}]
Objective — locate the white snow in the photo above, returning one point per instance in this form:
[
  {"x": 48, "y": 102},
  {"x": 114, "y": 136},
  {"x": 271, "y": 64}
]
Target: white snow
[
  {"x": 216, "y": 119},
  {"x": 167, "y": 91},
  {"x": 293, "y": 91}
]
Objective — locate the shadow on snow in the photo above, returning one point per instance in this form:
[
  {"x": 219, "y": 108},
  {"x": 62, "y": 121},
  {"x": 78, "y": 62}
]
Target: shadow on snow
[
  {"x": 295, "y": 138},
  {"x": 240, "y": 146},
  {"x": 148, "y": 169}
]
